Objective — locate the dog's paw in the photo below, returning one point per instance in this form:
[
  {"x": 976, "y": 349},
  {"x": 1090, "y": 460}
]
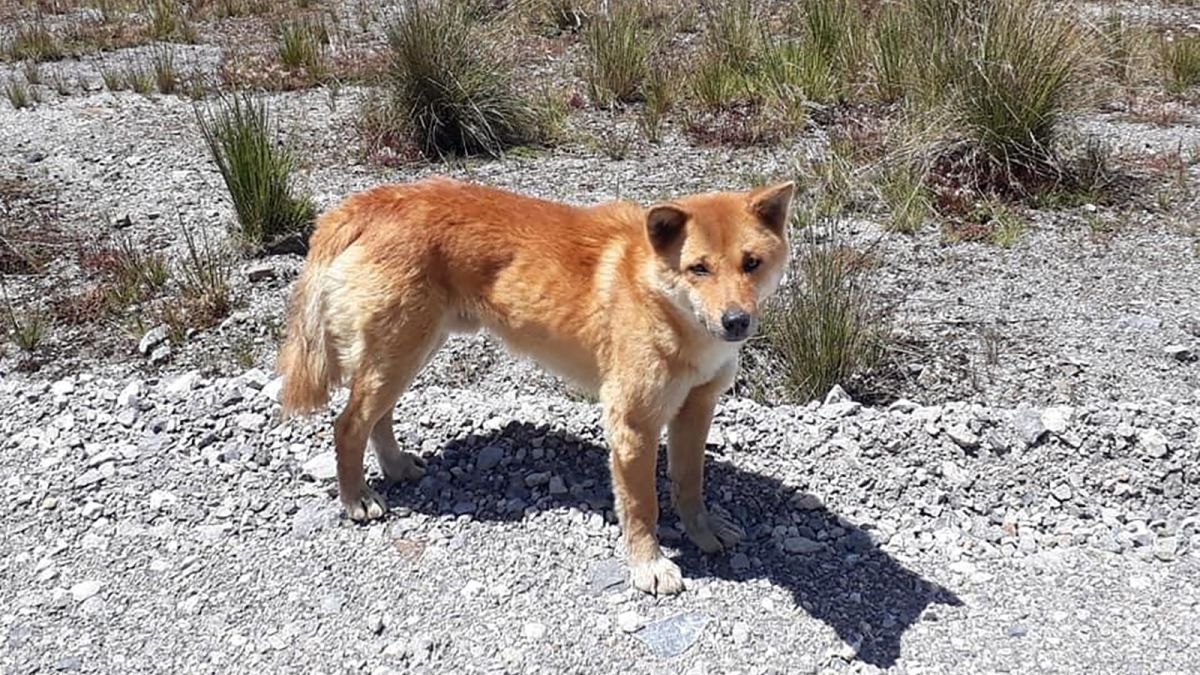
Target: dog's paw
[
  {"x": 658, "y": 576},
  {"x": 405, "y": 466},
  {"x": 712, "y": 531},
  {"x": 367, "y": 505}
]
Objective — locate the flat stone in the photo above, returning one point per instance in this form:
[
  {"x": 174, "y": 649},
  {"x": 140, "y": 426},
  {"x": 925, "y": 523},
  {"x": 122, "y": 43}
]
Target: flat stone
[
  {"x": 606, "y": 575},
  {"x": 802, "y": 545},
  {"x": 533, "y": 631},
  {"x": 86, "y": 589},
  {"x": 557, "y": 486},
  {"x": 839, "y": 409},
  {"x": 962, "y": 436},
  {"x": 153, "y": 337},
  {"x": 185, "y": 383},
  {"x": 836, "y": 395},
  {"x": 260, "y": 272},
  {"x": 1138, "y": 322},
  {"x": 1153, "y": 443},
  {"x": 161, "y": 354},
  {"x": 89, "y": 478},
  {"x": 160, "y": 498},
  {"x": 629, "y": 622},
  {"x": 1028, "y": 424},
  {"x": 321, "y": 467},
  {"x": 251, "y": 421},
  {"x": 131, "y": 395},
  {"x": 1061, "y": 492},
  {"x": 273, "y": 389},
  {"x": 489, "y": 458},
  {"x": 1180, "y": 353},
  {"x": 1056, "y": 419},
  {"x": 674, "y": 635}
]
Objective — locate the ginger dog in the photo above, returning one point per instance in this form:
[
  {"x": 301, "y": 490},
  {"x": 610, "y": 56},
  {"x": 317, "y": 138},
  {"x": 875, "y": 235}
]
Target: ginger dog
[{"x": 645, "y": 306}]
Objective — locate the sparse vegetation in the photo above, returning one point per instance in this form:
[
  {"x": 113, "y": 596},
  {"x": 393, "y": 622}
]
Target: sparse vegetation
[
  {"x": 257, "y": 171},
  {"x": 139, "y": 78},
  {"x": 34, "y": 42},
  {"x": 1015, "y": 90},
  {"x": 17, "y": 92},
  {"x": 32, "y": 71},
  {"x": 302, "y": 45},
  {"x": 27, "y": 328},
  {"x": 114, "y": 79},
  {"x": 557, "y": 16},
  {"x": 205, "y": 272},
  {"x": 619, "y": 55},
  {"x": 166, "y": 77},
  {"x": 1179, "y": 62},
  {"x": 904, "y": 192},
  {"x": 169, "y": 21},
  {"x": 447, "y": 95},
  {"x": 823, "y": 328}
]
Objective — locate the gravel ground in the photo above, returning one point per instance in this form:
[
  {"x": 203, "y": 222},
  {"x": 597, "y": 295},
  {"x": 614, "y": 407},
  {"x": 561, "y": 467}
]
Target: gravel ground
[
  {"x": 173, "y": 525},
  {"x": 1030, "y": 504}
]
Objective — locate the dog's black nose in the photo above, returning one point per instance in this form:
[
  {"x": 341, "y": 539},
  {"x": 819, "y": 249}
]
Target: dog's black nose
[{"x": 736, "y": 323}]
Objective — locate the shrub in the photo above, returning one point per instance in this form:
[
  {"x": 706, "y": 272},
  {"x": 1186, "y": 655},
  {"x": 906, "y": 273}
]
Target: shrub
[
  {"x": 447, "y": 93},
  {"x": 114, "y": 80},
  {"x": 169, "y": 21},
  {"x": 1018, "y": 85},
  {"x": 904, "y": 192},
  {"x": 17, "y": 92},
  {"x": 1179, "y": 61},
  {"x": 661, "y": 93},
  {"x": 139, "y": 78},
  {"x": 619, "y": 53},
  {"x": 893, "y": 53},
  {"x": 166, "y": 77},
  {"x": 28, "y": 328},
  {"x": 822, "y": 328},
  {"x": 240, "y": 136},
  {"x": 1118, "y": 43},
  {"x": 33, "y": 72},
  {"x": 558, "y": 16},
  {"x": 205, "y": 272},
  {"x": 301, "y": 46},
  {"x": 35, "y": 42}
]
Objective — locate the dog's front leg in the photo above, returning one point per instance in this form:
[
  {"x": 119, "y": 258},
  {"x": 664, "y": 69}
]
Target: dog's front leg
[
  {"x": 688, "y": 431},
  {"x": 634, "y": 442}
]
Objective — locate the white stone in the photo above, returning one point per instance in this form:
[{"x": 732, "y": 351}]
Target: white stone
[{"x": 86, "y": 589}]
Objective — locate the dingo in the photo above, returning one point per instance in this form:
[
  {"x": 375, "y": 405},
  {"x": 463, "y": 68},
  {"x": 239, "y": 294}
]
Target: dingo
[{"x": 646, "y": 307}]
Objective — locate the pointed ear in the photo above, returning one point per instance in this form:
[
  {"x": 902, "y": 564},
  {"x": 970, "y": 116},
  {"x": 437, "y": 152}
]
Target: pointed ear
[
  {"x": 664, "y": 226},
  {"x": 772, "y": 205}
]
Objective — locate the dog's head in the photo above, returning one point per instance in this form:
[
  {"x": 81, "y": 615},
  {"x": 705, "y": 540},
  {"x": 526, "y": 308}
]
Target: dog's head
[{"x": 722, "y": 254}]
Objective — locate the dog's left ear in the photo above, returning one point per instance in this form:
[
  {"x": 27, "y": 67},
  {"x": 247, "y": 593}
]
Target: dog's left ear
[
  {"x": 772, "y": 205},
  {"x": 664, "y": 226}
]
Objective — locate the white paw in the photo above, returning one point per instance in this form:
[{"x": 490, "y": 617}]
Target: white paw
[
  {"x": 712, "y": 531},
  {"x": 404, "y": 467},
  {"x": 657, "y": 576},
  {"x": 368, "y": 505}
]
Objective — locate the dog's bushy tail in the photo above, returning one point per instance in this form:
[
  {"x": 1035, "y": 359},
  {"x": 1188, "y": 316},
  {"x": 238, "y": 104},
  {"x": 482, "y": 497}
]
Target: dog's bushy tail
[{"x": 308, "y": 364}]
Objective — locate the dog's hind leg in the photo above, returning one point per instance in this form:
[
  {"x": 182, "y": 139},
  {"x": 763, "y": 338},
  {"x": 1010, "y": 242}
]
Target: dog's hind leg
[
  {"x": 385, "y": 373},
  {"x": 399, "y": 465}
]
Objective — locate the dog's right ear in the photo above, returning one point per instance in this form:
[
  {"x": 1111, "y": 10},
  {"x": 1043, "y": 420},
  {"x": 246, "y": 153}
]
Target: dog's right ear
[{"x": 664, "y": 226}]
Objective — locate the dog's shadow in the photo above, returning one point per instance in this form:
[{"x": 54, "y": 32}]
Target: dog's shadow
[{"x": 860, "y": 591}]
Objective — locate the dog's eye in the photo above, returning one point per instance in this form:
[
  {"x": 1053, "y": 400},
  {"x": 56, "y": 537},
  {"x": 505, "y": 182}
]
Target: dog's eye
[
  {"x": 699, "y": 269},
  {"x": 751, "y": 263}
]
